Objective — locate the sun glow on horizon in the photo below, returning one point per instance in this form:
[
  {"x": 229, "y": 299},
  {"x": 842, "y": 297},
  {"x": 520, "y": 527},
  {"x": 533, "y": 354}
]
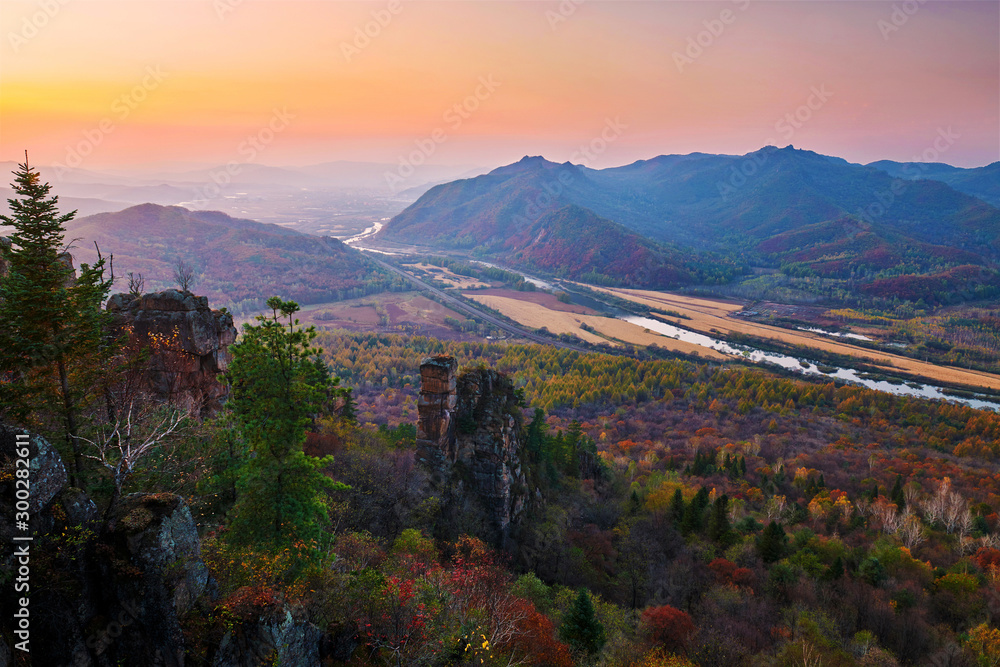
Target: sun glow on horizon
[{"x": 175, "y": 80}]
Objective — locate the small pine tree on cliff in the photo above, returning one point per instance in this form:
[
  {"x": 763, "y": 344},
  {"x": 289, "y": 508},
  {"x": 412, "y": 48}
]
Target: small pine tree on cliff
[{"x": 51, "y": 340}]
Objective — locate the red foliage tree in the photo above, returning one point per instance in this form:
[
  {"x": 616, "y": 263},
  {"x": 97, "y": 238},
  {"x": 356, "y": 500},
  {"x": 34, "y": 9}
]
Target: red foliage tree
[
  {"x": 988, "y": 559},
  {"x": 536, "y": 638},
  {"x": 667, "y": 626},
  {"x": 726, "y": 572}
]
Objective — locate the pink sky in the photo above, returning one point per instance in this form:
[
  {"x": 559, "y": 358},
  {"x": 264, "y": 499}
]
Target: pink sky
[{"x": 286, "y": 82}]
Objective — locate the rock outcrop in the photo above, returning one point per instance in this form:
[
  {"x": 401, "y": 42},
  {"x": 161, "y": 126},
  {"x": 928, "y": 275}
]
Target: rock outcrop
[
  {"x": 152, "y": 566},
  {"x": 469, "y": 437},
  {"x": 191, "y": 345},
  {"x": 279, "y": 637},
  {"x": 47, "y": 475},
  {"x": 99, "y": 596}
]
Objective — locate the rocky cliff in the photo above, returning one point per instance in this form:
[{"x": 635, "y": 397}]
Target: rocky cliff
[
  {"x": 100, "y": 594},
  {"x": 469, "y": 438},
  {"x": 190, "y": 345},
  {"x": 117, "y": 591}
]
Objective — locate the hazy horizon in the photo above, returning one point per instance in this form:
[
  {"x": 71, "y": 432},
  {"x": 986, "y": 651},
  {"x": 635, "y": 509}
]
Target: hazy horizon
[{"x": 106, "y": 84}]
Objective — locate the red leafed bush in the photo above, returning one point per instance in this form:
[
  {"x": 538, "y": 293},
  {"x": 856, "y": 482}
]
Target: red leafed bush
[
  {"x": 722, "y": 569},
  {"x": 537, "y": 638},
  {"x": 248, "y": 601},
  {"x": 726, "y": 572},
  {"x": 987, "y": 559},
  {"x": 667, "y": 626}
]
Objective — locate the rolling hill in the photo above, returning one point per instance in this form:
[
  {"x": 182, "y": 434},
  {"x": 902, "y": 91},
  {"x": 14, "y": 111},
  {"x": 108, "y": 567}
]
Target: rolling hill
[{"x": 237, "y": 262}]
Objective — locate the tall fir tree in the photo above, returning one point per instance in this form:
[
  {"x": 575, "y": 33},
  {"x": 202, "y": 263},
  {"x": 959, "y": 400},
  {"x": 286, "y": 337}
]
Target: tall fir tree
[
  {"x": 694, "y": 519},
  {"x": 896, "y": 495},
  {"x": 278, "y": 386},
  {"x": 52, "y": 343},
  {"x": 719, "y": 529},
  {"x": 580, "y": 627},
  {"x": 772, "y": 543},
  {"x": 677, "y": 507}
]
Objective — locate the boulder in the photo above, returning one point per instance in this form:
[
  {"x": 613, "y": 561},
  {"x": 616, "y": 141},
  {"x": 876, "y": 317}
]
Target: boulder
[
  {"x": 159, "y": 535},
  {"x": 153, "y": 572},
  {"x": 192, "y": 345},
  {"x": 47, "y": 477},
  {"x": 280, "y": 636}
]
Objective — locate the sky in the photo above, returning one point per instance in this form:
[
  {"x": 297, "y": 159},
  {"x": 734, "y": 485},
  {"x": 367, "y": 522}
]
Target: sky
[{"x": 123, "y": 83}]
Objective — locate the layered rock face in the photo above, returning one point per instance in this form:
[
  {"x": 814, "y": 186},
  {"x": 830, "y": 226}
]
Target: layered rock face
[
  {"x": 435, "y": 410},
  {"x": 190, "y": 344},
  {"x": 469, "y": 438}
]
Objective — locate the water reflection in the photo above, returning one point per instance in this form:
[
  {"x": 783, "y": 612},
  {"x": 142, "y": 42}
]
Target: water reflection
[
  {"x": 835, "y": 333},
  {"x": 804, "y": 366}
]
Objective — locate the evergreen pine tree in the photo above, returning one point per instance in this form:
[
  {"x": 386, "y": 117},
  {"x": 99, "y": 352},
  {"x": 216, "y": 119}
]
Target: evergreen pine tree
[
  {"x": 677, "y": 507},
  {"x": 278, "y": 384},
  {"x": 896, "y": 495},
  {"x": 535, "y": 436},
  {"x": 51, "y": 337},
  {"x": 571, "y": 450},
  {"x": 634, "y": 503},
  {"x": 772, "y": 543},
  {"x": 835, "y": 571},
  {"x": 580, "y": 627},
  {"x": 719, "y": 530},
  {"x": 693, "y": 520}
]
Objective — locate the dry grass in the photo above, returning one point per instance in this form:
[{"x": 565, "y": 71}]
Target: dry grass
[
  {"x": 447, "y": 276},
  {"x": 536, "y": 316},
  {"x": 546, "y": 299},
  {"x": 712, "y": 316},
  {"x": 402, "y": 308}
]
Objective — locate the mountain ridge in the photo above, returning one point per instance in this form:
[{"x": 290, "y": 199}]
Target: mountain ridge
[{"x": 744, "y": 208}]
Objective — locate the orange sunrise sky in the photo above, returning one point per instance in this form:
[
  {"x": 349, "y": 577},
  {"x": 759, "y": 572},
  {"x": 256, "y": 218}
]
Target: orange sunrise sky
[{"x": 154, "y": 82}]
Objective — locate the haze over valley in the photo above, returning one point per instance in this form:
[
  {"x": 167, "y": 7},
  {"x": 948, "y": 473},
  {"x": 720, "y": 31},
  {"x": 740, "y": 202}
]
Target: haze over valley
[{"x": 557, "y": 333}]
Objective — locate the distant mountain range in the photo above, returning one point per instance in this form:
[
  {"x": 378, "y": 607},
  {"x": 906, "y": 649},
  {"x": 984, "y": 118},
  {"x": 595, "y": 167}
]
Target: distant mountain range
[
  {"x": 237, "y": 262},
  {"x": 339, "y": 197},
  {"x": 660, "y": 222},
  {"x": 981, "y": 182}
]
